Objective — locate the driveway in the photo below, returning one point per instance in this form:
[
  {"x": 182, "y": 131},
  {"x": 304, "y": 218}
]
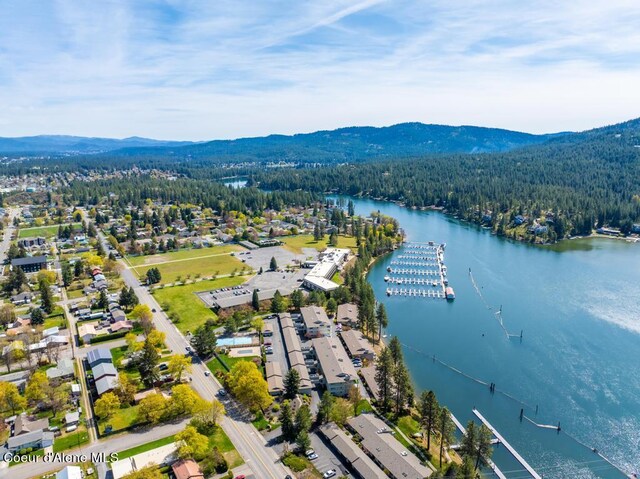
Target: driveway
[{"x": 326, "y": 458}]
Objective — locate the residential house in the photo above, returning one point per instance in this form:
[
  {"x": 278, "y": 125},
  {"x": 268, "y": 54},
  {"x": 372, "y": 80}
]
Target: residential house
[
  {"x": 87, "y": 332},
  {"x": 187, "y": 469},
  {"x": 347, "y": 315},
  {"x": 63, "y": 370},
  {"x": 35, "y": 440},
  {"x": 357, "y": 345},
  {"x": 30, "y": 264}
]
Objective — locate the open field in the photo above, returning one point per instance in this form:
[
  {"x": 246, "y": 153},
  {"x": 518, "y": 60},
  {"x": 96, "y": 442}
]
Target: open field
[
  {"x": 182, "y": 301},
  {"x": 296, "y": 243},
  {"x": 203, "y": 266},
  {"x": 220, "y": 440},
  {"x": 44, "y": 231},
  {"x": 181, "y": 254}
]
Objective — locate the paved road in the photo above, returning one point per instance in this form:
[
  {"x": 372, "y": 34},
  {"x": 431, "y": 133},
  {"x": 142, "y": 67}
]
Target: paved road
[
  {"x": 6, "y": 239},
  {"x": 261, "y": 459},
  {"x": 117, "y": 443}
]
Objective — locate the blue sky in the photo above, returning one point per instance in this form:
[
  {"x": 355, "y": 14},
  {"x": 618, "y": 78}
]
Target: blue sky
[{"x": 196, "y": 70}]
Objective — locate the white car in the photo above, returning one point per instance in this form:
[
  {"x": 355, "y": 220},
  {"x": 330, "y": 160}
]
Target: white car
[
  {"x": 312, "y": 457},
  {"x": 329, "y": 473}
]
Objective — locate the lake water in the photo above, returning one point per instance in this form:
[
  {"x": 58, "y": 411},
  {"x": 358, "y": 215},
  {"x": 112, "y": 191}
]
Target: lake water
[
  {"x": 236, "y": 183},
  {"x": 578, "y": 305}
]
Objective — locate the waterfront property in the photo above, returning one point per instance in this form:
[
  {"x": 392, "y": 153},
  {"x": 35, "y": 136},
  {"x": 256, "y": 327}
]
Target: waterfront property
[
  {"x": 357, "y": 345},
  {"x": 316, "y": 322},
  {"x": 337, "y": 369},
  {"x": 361, "y": 464},
  {"x": 378, "y": 441}
]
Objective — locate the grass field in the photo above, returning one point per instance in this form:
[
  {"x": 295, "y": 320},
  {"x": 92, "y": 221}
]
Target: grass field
[
  {"x": 220, "y": 440},
  {"x": 296, "y": 243},
  {"x": 182, "y": 301},
  {"x": 70, "y": 441},
  {"x": 44, "y": 231},
  {"x": 203, "y": 266},
  {"x": 215, "y": 365},
  {"x": 181, "y": 254},
  {"x": 122, "y": 419}
]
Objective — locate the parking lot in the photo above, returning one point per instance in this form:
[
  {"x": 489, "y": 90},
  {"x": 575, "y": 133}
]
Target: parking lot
[{"x": 284, "y": 280}]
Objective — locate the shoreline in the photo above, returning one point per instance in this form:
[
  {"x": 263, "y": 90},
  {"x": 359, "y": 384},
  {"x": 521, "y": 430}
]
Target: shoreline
[{"x": 441, "y": 209}]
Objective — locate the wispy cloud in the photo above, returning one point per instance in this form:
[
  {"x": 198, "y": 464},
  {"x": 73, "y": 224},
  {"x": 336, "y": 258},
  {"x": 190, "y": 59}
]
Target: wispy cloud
[{"x": 198, "y": 69}]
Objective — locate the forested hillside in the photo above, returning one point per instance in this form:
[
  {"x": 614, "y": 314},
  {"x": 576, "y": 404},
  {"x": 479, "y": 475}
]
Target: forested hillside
[{"x": 568, "y": 185}]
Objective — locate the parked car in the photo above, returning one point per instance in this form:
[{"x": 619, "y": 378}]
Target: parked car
[
  {"x": 222, "y": 392},
  {"x": 207, "y": 373},
  {"x": 312, "y": 457},
  {"x": 329, "y": 473}
]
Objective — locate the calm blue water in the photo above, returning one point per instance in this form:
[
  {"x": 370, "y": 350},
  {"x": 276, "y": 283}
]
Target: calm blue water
[{"x": 579, "y": 307}]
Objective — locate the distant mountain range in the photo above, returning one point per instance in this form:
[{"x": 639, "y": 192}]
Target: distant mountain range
[
  {"x": 61, "y": 144},
  {"x": 352, "y": 144}
]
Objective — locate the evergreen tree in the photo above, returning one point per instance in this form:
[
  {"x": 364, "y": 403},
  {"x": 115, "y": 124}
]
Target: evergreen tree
[
  {"x": 67, "y": 274},
  {"x": 277, "y": 303},
  {"x": 103, "y": 301},
  {"x": 429, "y": 409},
  {"x": 148, "y": 364},
  {"x": 384, "y": 378},
  {"x": 291, "y": 384},
  {"x": 255, "y": 300},
  {"x": 204, "y": 339},
  {"x": 324, "y": 409},
  {"x": 46, "y": 298},
  {"x": 37, "y": 316},
  {"x": 273, "y": 264},
  {"x": 469, "y": 442},
  {"x": 286, "y": 422},
  {"x": 484, "y": 450},
  {"x": 381, "y": 319},
  {"x": 446, "y": 429},
  {"x": 297, "y": 299},
  {"x": 403, "y": 388}
]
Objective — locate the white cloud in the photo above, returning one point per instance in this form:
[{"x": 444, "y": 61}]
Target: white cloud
[{"x": 201, "y": 70}]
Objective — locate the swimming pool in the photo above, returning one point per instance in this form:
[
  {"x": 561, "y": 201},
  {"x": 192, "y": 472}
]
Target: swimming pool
[{"x": 239, "y": 341}]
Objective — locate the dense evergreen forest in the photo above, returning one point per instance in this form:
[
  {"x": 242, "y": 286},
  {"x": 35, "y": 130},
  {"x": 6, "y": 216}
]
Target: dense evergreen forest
[
  {"x": 572, "y": 184},
  {"x": 209, "y": 194}
]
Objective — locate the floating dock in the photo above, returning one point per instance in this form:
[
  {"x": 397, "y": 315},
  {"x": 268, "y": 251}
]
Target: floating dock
[
  {"x": 420, "y": 264},
  {"x": 509, "y": 447}
]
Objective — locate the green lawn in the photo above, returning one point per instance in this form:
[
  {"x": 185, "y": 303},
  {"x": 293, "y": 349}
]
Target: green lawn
[
  {"x": 145, "y": 447},
  {"x": 122, "y": 419},
  {"x": 117, "y": 354},
  {"x": 215, "y": 365},
  {"x": 220, "y": 440},
  {"x": 363, "y": 406},
  {"x": 181, "y": 254},
  {"x": 296, "y": 243},
  {"x": 70, "y": 441},
  {"x": 204, "y": 266},
  {"x": 57, "y": 320},
  {"x": 45, "y": 231},
  {"x": 181, "y": 300}
]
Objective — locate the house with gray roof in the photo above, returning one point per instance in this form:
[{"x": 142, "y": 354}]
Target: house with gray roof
[
  {"x": 385, "y": 450},
  {"x": 106, "y": 384},
  {"x": 36, "y": 440},
  {"x": 64, "y": 369},
  {"x": 97, "y": 356},
  {"x": 103, "y": 369},
  {"x": 362, "y": 466}
]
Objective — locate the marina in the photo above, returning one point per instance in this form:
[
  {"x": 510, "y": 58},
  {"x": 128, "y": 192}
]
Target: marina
[{"x": 420, "y": 264}]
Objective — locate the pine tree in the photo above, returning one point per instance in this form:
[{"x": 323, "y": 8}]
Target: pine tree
[
  {"x": 429, "y": 409},
  {"x": 286, "y": 422},
  {"x": 255, "y": 300},
  {"x": 45, "y": 296},
  {"x": 381, "y": 319},
  {"x": 291, "y": 384},
  {"x": 446, "y": 429},
  {"x": 273, "y": 264},
  {"x": 324, "y": 409},
  {"x": 384, "y": 377}
]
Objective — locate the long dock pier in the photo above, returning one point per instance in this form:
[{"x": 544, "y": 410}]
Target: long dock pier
[{"x": 509, "y": 447}]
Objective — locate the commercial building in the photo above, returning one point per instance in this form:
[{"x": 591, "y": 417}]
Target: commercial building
[
  {"x": 316, "y": 322},
  {"x": 385, "y": 449},
  {"x": 330, "y": 261},
  {"x": 336, "y": 367}
]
